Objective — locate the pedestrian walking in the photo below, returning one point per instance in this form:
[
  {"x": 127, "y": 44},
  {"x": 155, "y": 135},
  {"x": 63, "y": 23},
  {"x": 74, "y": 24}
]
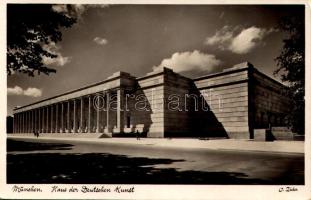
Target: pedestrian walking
[{"x": 137, "y": 135}]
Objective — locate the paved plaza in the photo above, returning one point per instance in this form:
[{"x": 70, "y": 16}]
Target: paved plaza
[
  {"x": 151, "y": 161},
  {"x": 213, "y": 144}
]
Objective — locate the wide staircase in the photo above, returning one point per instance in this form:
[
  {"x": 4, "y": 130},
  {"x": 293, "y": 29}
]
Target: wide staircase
[
  {"x": 64, "y": 135},
  {"x": 276, "y": 133}
]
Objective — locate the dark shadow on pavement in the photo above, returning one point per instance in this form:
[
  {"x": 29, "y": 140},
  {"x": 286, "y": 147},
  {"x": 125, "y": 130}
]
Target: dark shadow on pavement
[
  {"x": 16, "y": 145},
  {"x": 99, "y": 168},
  {"x": 103, "y": 168}
]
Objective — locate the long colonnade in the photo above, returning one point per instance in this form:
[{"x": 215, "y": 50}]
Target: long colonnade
[{"x": 77, "y": 115}]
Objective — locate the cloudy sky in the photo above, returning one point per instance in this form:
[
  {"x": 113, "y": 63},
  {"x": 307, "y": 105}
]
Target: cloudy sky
[{"x": 193, "y": 40}]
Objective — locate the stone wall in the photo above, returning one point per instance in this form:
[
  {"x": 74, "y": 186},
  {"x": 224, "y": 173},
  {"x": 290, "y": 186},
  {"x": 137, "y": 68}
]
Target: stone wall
[
  {"x": 150, "y": 88},
  {"x": 270, "y": 102},
  {"x": 227, "y": 95},
  {"x": 177, "y": 109}
]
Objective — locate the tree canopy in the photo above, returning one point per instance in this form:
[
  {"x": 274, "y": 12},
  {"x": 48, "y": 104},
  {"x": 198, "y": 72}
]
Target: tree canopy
[
  {"x": 29, "y": 28},
  {"x": 291, "y": 69}
]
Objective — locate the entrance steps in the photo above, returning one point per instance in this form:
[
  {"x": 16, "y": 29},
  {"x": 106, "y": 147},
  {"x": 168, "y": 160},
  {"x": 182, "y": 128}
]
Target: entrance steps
[
  {"x": 276, "y": 133},
  {"x": 65, "y": 135}
]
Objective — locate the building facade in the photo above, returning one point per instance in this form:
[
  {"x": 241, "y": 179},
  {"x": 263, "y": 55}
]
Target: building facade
[{"x": 232, "y": 104}]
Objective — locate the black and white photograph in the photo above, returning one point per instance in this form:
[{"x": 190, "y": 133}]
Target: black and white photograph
[{"x": 109, "y": 98}]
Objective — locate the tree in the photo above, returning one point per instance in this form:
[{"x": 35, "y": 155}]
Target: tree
[
  {"x": 29, "y": 28},
  {"x": 291, "y": 69}
]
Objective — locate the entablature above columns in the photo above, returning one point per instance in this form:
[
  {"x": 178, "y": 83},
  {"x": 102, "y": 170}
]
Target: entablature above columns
[{"x": 70, "y": 97}]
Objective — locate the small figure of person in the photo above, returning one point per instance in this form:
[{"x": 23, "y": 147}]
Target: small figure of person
[
  {"x": 137, "y": 135},
  {"x": 37, "y": 133}
]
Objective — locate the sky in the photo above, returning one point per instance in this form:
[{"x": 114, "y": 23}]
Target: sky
[{"x": 193, "y": 40}]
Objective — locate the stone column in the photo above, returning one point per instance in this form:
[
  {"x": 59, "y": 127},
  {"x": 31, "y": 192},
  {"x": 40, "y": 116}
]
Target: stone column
[
  {"x": 39, "y": 120},
  {"x": 29, "y": 121},
  {"x": 23, "y": 126},
  {"x": 14, "y": 122},
  {"x": 68, "y": 117},
  {"x": 22, "y": 122},
  {"x": 43, "y": 118},
  {"x": 19, "y": 123},
  {"x": 35, "y": 118},
  {"x": 32, "y": 121},
  {"x": 56, "y": 118},
  {"x": 52, "y": 110},
  {"x": 120, "y": 110},
  {"x": 26, "y": 122},
  {"x": 24, "y": 130},
  {"x": 47, "y": 119},
  {"x": 89, "y": 115},
  {"x": 107, "y": 108},
  {"x": 62, "y": 118},
  {"x": 81, "y": 115},
  {"x": 97, "y": 114},
  {"x": 74, "y": 116}
]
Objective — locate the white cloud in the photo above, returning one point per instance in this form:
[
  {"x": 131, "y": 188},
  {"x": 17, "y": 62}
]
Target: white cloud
[
  {"x": 190, "y": 61},
  {"x": 31, "y": 92},
  {"x": 76, "y": 10},
  {"x": 100, "y": 41},
  {"x": 247, "y": 40},
  {"x": 60, "y": 60},
  {"x": 15, "y": 91},
  {"x": 238, "y": 41},
  {"x": 222, "y": 38}
]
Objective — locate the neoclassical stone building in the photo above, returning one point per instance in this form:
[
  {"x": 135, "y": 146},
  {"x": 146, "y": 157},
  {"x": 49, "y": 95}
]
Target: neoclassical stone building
[{"x": 232, "y": 103}]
